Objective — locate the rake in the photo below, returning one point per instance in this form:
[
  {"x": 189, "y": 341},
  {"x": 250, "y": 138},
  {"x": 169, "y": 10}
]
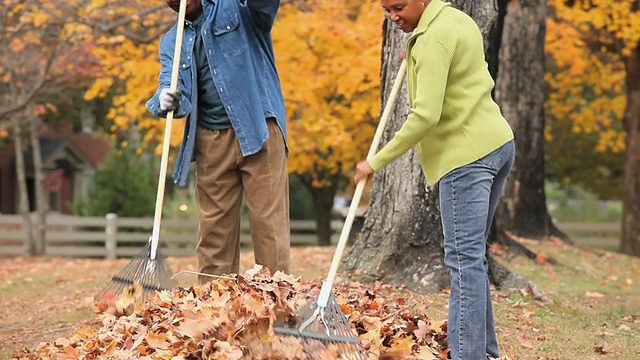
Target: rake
[
  {"x": 149, "y": 269},
  {"x": 321, "y": 318}
]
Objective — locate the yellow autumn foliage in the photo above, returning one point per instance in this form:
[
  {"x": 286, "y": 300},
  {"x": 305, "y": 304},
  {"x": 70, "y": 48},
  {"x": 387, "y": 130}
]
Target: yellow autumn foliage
[
  {"x": 587, "y": 44},
  {"x": 329, "y": 62},
  {"x": 328, "y": 57}
]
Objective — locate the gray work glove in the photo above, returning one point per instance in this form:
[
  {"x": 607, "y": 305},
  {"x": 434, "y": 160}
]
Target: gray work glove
[{"x": 169, "y": 100}]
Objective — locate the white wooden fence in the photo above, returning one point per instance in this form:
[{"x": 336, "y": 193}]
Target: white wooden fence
[
  {"x": 593, "y": 234},
  {"x": 112, "y": 236}
]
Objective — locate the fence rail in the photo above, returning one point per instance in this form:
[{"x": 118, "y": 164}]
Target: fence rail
[
  {"x": 112, "y": 236},
  {"x": 593, "y": 234}
]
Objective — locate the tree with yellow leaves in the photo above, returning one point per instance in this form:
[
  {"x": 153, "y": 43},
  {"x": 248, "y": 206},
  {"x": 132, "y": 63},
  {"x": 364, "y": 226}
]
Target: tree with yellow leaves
[
  {"x": 595, "y": 46},
  {"x": 125, "y": 34},
  {"x": 328, "y": 54}
]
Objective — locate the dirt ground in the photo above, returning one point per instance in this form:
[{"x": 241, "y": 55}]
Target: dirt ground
[
  {"x": 43, "y": 298},
  {"x": 593, "y": 312}
]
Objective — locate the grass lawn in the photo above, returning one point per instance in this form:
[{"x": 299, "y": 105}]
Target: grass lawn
[{"x": 593, "y": 311}]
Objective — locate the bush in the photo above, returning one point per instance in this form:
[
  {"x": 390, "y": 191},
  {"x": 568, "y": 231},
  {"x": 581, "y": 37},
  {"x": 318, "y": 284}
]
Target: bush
[
  {"x": 300, "y": 200},
  {"x": 180, "y": 205},
  {"x": 125, "y": 184},
  {"x": 574, "y": 203}
]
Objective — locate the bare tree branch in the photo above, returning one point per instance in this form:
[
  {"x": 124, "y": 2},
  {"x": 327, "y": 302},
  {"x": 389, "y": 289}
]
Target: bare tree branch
[{"x": 25, "y": 99}]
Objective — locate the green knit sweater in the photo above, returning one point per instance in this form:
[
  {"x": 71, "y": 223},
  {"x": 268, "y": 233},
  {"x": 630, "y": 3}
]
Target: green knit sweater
[{"x": 453, "y": 119}]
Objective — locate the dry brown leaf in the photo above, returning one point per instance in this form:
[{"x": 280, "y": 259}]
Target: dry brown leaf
[
  {"x": 422, "y": 330},
  {"x": 601, "y": 349},
  {"x": 526, "y": 343},
  {"x": 233, "y": 317},
  {"x": 402, "y": 347},
  {"x": 593, "y": 294}
]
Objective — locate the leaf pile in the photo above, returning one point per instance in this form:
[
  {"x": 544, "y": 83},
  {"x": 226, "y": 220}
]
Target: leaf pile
[{"x": 232, "y": 317}]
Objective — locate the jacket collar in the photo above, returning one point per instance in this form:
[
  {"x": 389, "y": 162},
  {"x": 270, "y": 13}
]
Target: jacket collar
[{"x": 430, "y": 12}]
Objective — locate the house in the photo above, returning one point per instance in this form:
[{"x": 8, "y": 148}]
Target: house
[{"x": 69, "y": 162}]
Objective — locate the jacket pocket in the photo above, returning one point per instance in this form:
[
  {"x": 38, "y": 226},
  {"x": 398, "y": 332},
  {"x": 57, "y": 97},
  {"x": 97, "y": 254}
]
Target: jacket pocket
[{"x": 229, "y": 35}]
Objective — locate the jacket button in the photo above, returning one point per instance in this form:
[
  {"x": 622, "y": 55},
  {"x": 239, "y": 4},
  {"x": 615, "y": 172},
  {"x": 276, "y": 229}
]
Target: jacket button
[{"x": 228, "y": 27}]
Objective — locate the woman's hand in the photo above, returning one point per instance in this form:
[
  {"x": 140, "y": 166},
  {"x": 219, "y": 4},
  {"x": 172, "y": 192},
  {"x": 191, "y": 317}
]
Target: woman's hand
[{"x": 363, "y": 171}]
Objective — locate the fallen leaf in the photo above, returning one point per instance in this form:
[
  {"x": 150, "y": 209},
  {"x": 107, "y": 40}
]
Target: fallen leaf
[
  {"x": 401, "y": 347},
  {"x": 230, "y": 317},
  {"x": 593, "y": 294},
  {"x": 624, "y": 327},
  {"x": 526, "y": 343},
  {"x": 422, "y": 331}
]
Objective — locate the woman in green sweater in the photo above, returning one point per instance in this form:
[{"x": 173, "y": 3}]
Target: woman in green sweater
[{"x": 464, "y": 144}]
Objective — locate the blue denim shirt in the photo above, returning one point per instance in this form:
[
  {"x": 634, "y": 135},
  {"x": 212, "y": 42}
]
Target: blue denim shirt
[{"x": 237, "y": 37}]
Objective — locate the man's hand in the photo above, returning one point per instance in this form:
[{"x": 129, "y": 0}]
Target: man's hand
[
  {"x": 363, "y": 171},
  {"x": 169, "y": 100}
]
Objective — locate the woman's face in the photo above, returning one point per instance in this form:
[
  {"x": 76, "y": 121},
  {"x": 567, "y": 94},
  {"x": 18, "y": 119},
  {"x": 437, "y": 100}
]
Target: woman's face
[
  {"x": 194, "y": 8},
  {"x": 405, "y": 13}
]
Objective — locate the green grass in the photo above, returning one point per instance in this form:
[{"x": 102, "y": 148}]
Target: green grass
[{"x": 593, "y": 312}]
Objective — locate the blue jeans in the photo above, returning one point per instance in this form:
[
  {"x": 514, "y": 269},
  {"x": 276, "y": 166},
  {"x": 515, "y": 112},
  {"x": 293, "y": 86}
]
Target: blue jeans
[{"x": 468, "y": 199}]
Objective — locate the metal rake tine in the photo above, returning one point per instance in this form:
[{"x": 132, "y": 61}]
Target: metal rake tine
[{"x": 310, "y": 320}]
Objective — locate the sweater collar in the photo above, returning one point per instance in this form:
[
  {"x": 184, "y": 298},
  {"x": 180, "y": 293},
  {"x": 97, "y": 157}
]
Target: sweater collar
[{"x": 430, "y": 12}]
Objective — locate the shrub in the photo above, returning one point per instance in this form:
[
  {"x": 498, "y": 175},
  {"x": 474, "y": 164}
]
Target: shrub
[{"x": 125, "y": 184}]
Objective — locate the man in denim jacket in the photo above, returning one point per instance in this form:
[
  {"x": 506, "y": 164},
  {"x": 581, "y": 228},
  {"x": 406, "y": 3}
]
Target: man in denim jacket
[{"x": 229, "y": 91}]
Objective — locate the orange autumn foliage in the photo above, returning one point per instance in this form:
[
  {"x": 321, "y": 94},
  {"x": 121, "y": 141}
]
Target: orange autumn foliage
[
  {"x": 328, "y": 57},
  {"x": 587, "y": 43},
  {"x": 329, "y": 61},
  {"x": 42, "y": 54}
]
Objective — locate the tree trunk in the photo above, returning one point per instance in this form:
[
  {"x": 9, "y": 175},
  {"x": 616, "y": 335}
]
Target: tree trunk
[
  {"x": 322, "y": 205},
  {"x": 520, "y": 94},
  {"x": 401, "y": 240},
  {"x": 23, "y": 194},
  {"x": 630, "y": 242},
  {"x": 41, "y": 202}
]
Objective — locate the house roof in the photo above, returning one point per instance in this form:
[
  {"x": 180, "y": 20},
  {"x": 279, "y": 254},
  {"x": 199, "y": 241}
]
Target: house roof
[
  {"x": 92, "y": 146},
  {"x": 53, "y": 150},
  {"x": 84, "y": 148}
]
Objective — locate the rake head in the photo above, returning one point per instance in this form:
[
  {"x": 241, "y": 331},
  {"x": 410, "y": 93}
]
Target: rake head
[
  {"x": 327, "y": 325},
  {"x": 150, "y": 275}
]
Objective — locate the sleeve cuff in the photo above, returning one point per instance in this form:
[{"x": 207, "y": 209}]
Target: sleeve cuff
[{"x": 376, "y": 163}]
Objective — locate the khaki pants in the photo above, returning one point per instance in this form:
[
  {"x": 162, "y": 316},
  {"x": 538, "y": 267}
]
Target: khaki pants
[{"x": 222, "y": 175}]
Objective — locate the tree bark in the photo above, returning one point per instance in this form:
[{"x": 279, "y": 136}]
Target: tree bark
[
  {"x": 630, "y": 241},
  {"x": 23, "y": 194},
  {"x": 520, "y": 94},
  {"x": 401, "y": 240},
  {"x": 322, "y": 205},
  {"x": 41, "y": 203}
]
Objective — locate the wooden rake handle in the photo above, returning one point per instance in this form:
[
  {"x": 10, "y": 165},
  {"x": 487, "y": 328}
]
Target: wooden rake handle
[
  {"x": 346, "y": 229},
  {"x": 155, "y": 235}
]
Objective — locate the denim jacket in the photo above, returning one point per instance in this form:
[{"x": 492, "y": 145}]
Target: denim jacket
[{"x": 237, "y": 36}]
